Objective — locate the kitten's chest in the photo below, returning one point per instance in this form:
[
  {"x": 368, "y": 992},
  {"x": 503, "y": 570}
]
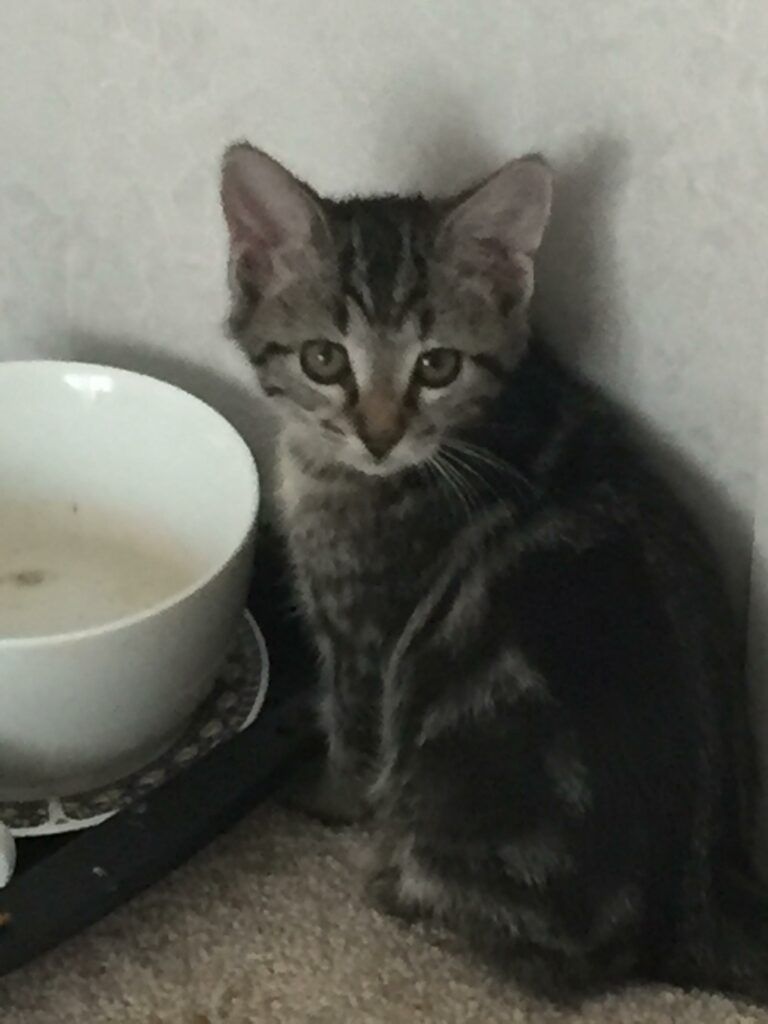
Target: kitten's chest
[{"x": 363, "y": 555}]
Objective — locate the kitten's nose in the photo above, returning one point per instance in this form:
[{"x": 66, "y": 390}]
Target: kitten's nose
[
  {"x": 380, "y": 444},
  {"x": 380, "y": 422}
]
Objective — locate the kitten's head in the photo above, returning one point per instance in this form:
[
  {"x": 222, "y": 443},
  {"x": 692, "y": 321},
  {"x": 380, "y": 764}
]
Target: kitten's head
[{"x": 380, "y": 326}]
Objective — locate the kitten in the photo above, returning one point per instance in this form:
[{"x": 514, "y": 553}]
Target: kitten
[{"x": 529, "y": 675}]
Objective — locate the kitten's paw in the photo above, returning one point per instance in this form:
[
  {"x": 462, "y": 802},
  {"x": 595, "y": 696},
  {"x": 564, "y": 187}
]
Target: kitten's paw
[
  {"x": 323, "y": 794},
  {"x": 383, "y": 892}
]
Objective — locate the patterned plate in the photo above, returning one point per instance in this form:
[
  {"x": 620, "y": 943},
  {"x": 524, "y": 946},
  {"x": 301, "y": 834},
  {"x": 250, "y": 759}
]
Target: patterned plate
[{"x": 232, "y": 705}]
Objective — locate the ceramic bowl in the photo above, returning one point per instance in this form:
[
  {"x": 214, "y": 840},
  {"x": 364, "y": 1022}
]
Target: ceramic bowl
[{"x": 127, "y": 509}]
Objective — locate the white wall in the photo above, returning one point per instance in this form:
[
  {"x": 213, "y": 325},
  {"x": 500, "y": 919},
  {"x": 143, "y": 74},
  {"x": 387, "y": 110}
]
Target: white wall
[{"x": 113, "y": 114}]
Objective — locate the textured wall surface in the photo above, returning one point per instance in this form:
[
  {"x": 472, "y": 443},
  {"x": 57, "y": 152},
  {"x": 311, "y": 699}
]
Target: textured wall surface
[{"x": 113, "y": 114}]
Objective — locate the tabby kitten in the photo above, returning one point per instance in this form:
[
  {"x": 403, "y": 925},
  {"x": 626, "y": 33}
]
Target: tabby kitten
[{"x": 528, "y": 672}]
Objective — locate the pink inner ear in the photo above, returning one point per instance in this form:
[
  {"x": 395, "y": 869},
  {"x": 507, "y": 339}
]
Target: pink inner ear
[
  {"x": 247, "y": 218},
  {"x": 270, "y": 216},
  {"x": 491, "y": 258},
  {"x": 510, "y": 210},
  {"x": 488, "y": 267}
]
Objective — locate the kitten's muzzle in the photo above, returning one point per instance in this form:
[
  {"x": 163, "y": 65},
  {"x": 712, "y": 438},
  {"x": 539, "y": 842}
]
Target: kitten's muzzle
[{"x": 380, "y": 423}]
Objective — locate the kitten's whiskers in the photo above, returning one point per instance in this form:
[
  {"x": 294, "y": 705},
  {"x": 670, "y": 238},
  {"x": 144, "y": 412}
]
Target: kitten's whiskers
[{"x": 466, "y": 450}]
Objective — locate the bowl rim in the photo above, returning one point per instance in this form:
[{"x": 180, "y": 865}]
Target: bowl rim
[{"x": 203, "y": 580}]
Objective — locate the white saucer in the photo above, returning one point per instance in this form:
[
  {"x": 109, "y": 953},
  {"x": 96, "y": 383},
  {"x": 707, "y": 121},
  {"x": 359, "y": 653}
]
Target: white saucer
[{"x": 233, "y": 704}]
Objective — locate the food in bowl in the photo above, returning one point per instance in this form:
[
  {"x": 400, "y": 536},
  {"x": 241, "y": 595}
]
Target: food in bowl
[
  {"x": 127, "y": 508},
  {"x": 63, "y": 568}
]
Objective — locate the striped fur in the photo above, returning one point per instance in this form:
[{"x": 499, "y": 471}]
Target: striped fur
[{"x": 529, "y": 674}]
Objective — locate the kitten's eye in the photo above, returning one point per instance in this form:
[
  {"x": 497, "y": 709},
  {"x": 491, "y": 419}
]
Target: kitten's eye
[
  {"x": 324, "y": 361},
  {"x": 438, "y": 367}
]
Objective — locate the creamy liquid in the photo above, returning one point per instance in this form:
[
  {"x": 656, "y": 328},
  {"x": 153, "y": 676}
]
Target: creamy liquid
[{"x": 63, "y": 569}]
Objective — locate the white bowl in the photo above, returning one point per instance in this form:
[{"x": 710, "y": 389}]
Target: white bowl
[{"x": 127, "y": 509}]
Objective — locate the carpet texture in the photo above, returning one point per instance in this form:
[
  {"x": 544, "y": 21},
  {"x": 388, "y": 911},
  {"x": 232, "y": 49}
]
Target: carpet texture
[{"x": 269, "y": 926}]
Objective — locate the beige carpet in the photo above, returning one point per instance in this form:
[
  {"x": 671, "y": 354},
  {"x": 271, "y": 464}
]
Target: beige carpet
[{"x": 269, "y": 925}]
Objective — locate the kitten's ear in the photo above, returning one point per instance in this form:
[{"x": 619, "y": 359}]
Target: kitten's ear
[
  {"x": 277, "y": 229},
  {"x": 493, "y": 232}
]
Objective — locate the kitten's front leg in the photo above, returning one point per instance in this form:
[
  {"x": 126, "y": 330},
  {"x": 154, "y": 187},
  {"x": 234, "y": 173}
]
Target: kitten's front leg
[
  {"x": 319, "y": 790},
  {"x": 335, "y": 789}
]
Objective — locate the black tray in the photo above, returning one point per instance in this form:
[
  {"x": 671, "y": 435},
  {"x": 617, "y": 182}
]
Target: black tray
[{"x": 65, "y": 883}]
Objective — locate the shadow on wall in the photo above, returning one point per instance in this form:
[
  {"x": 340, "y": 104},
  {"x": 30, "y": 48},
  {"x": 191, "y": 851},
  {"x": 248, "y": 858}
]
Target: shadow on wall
[
  {"x": 578, "y": 307},
  {"x": 578, "y": 298},
  {"x": 439, "y": 147},
  {"x": 225, "y": 392}
]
